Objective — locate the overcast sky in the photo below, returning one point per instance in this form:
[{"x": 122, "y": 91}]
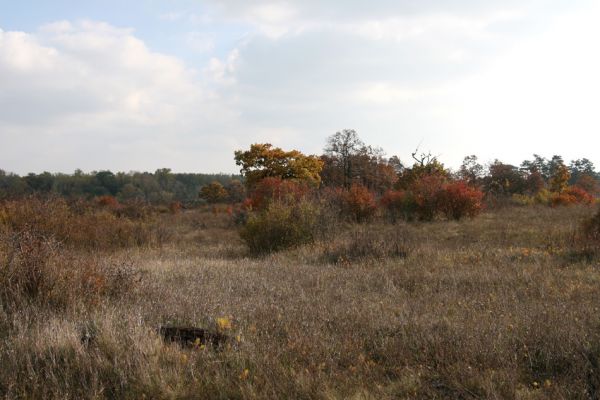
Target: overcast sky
[{"x": 145, "y": 84}]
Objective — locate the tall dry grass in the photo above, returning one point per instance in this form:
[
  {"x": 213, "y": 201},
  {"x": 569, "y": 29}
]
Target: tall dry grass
[{"x": 495, "y": 307}]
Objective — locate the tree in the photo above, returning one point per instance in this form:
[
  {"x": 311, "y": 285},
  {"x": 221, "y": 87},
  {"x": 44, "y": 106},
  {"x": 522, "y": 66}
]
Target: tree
[
  {"x": 539, "y": 164},
  {"x": 425, "y": 165},
  {"x": 504, "y": 179},
  {"x": 213, "y": 192},
  {"x": 560, "y": 178},
  {"x": 582, "y": 168},
  {"x": 236, "y": 190},
  {"x": 341, "y": 147},
  {"x": 470, "y": 170},
  {"x": 264, "y": 160}
]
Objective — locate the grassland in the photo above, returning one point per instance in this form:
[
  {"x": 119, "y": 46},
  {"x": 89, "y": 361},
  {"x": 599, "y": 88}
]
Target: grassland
[{"x": 499, "y": 307}]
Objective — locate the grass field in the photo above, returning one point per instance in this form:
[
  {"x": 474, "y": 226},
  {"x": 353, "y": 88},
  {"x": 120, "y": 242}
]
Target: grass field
[{"x": 501, "y": 306}]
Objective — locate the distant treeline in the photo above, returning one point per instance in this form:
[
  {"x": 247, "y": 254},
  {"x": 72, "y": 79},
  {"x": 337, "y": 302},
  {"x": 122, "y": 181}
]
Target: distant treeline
[{"x": 160, "y": 187}]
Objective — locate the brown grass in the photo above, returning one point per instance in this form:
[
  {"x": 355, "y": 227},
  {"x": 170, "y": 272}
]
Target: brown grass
[{"x": 494, "y": 307}]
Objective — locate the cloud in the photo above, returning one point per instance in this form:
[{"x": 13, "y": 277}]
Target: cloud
[
  {"x": 94, "y": 96},
  {"x": 456, "y": 75}
]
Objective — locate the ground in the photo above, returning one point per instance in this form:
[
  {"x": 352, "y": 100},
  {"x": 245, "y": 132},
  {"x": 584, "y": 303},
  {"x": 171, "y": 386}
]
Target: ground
[{"x": 500, "y": 306}]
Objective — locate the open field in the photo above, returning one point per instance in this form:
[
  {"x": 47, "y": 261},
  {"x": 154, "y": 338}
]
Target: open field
[{"x": 496, "y": 307}]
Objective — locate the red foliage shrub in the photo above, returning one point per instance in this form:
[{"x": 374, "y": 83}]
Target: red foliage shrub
[
  {"x": 425, "y": 195},
  {"x": 358, "y": 203},
  {"x": 175, "y": 207},
  {"x": 277, "y": 189},
  {"x": 580, "y": 194},
  {"x": 457, "y": 200},
  {"x": 108, "y": 202},
  {"x": 571, "y": 195}
]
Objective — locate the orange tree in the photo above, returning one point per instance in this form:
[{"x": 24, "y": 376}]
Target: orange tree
[{"x": 263, "y": 160}]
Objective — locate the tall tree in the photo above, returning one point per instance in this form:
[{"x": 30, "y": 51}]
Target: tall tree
[{"x": 341, "y": 147}]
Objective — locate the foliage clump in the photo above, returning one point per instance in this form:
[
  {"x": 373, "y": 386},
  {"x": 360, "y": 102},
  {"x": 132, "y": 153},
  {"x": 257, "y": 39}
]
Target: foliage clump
[
  {"x": 280, "y": 225},
  {"x": 263, "y": 161}
]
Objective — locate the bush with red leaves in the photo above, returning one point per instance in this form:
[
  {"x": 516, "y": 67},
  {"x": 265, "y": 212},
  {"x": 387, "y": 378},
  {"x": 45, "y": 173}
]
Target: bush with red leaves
[
  {"x": 425, "y": 192},
  {"x": 571, "y": 195},
  {"x": 108, "y": 202},
  {"x": 457, "y": 200},
  {"x": 358, "y": 203}
]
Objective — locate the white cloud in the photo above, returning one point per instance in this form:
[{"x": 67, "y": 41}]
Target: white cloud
[
  {"x": 200, "y": 42},
  {"x": 93, "y": 96},
  {"x": 462, "y": 77}
]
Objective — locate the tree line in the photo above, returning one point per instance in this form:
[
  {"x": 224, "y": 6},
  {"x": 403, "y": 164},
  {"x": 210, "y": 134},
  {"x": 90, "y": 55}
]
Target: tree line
[
  {"x": 346, "y": 161},
  {"x": 161, "y": 187}
]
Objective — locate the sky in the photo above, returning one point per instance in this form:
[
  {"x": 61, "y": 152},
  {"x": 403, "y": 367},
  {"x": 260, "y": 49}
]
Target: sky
[{"x": 146, "y": 84}]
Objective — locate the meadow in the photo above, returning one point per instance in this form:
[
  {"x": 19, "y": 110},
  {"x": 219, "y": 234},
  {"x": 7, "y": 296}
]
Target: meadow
[{"x": 503, "y": 306}]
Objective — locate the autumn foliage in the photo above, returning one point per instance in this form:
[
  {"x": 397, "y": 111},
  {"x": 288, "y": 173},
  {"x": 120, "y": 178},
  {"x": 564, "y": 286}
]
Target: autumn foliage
[
  {"x": 457, "y": 200},
  {"x": 276, "y": 189},
  {"x": 571, "y": 195},
  {"x": 264, "y": 161},
  {"x": 432, "y": 196},
  {"x": 357, "y": 203}
]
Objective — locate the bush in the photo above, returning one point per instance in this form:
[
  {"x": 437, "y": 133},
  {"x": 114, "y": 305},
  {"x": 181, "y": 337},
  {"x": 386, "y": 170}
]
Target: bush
[
  {"x": 425, "y": 194},
  {"x": 280, "y": 226},
  {"x": 82, "y": 227},
  {"x": 544, "y": 197},
  {"x": 570, "y": 196},
  {"x": 35, "y": 269},
  {"x": 591, "y": 228},
  {"x": 523, "y": 199},
  {"x": 457, "y": 200},
  {"x": 398, "y": 204},
  {"x": 271, "y": 189},
  {"x": 358, "y": 203}
]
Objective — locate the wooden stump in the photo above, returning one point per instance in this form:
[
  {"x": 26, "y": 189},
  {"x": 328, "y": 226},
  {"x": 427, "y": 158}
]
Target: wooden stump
[{"x": 190, "y": 336}]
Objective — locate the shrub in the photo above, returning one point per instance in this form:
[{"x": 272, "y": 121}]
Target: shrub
[
  {"x": 398, "y": 204},
  {"x": 84, "y": 227},
  {"x": 544, "y": 197},
  {"x": 280, "y": 226},
  {"x": 457, "y": 200},
  {"x": 358, "y": 203},
  {"x": 175, "y": 207},
  {"x": 591, "y": 228},
  {"x": 425, "y": 194},
  {"x": 213, "y": 192},
  {"x": 273, "y": 189},
  {"x": 581, "y": 195},
  {"x": 35, "y": 269},
  {"x": 108, "y": 202},
  {"x": 571, "y": 195},
  {"x": 523, "y": 199}
]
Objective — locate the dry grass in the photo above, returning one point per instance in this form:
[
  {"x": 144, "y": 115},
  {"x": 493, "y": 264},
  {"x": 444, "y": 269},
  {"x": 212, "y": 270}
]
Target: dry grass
[{"x": 495, "y": 307}]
